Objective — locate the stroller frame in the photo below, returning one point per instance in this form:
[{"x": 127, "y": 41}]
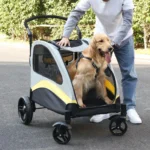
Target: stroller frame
[{"x": 61, "y": 96}]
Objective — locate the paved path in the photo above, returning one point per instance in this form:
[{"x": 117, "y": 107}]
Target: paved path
[
  {"x": 14, "y": 52},
  {"x": 19, "y": 52},
  {"x": 15, "y": 82}
]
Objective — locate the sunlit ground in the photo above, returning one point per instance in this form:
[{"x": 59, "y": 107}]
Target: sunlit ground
[
  {"x": 143, "y": 51},
  {"x": 4, "y": 38}
]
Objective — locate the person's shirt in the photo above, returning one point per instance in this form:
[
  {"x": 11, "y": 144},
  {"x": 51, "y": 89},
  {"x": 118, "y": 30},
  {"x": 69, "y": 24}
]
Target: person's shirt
[{"x": 113, "y": 18}]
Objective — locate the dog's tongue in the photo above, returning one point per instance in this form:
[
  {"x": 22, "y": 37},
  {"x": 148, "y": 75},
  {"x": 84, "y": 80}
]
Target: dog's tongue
[{"x": 108, "y": 57}]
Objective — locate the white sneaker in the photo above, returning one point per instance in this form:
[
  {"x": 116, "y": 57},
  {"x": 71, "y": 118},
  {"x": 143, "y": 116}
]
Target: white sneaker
[
  {"x": 133, "y": 116},
  {"x": 99, "y": 118}
]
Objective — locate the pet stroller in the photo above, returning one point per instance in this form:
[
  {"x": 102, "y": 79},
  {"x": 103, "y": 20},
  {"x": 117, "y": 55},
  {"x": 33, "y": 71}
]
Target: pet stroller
[{"x": 52, "y": 88}]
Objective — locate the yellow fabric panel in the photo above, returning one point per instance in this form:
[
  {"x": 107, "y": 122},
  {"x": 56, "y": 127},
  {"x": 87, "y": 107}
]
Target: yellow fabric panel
[
  {"x": 55, "y": 89},
  {"x": 110, "y": 86}
]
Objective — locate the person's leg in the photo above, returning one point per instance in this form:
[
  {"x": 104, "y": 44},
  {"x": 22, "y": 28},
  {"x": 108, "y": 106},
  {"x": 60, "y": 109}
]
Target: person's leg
[
  {"x": 99, "y": 118},
  {"x": 125, "y": 58}
]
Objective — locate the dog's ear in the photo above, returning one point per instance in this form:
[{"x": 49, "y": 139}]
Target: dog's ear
[
  {"x": 93, "y": 43},
  {"x": 93, "y": 47}
]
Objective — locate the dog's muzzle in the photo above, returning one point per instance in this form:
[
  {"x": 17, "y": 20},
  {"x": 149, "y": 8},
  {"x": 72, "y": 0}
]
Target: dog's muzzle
[
  {"x": 106, "y": 55},
  {"x": 102, "y": 53}
]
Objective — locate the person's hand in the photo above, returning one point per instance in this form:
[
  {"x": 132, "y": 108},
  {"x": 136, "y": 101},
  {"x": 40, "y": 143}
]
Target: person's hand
[
  {"x": 64, "y": 42},
  {"x": 114, "y": 45}
]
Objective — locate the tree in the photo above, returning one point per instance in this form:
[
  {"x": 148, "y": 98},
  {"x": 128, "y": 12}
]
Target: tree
[
  {"x": 14, "y": 12},
  {"x": 142, "y": 20}
]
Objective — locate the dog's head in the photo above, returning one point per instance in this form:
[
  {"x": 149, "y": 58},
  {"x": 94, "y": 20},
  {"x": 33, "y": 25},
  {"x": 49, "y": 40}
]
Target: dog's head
[{"x": 101, "y": 44}]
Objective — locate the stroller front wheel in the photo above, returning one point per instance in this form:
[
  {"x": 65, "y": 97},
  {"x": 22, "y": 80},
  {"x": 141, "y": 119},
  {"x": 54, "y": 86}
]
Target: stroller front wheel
[
  {"x": 118, "y": 126},
  {"x": 61, "y": 134}
]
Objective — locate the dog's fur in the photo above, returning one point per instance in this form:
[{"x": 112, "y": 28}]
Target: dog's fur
[{"x": 83, "y": 76}]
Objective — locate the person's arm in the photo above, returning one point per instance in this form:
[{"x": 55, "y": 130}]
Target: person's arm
[
  {"x": 72, "y": 21},
  {"x": 125, "y": 27},
  {"x": 75, "y": 16},
  {"x": 127, "y": 13}
]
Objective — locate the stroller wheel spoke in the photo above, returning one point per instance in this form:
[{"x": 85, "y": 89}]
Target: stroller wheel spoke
[
  {"x": 21, "y": 110},
  {"x": 65, "y": 138},
  {"x": 24, "y": 116}
]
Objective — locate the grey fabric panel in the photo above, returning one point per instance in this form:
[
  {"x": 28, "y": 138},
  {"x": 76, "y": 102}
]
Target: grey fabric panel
[
  {"x": 49, "y": 100},
  {"x": 72, "y": 21},
  {"x": 125, "y": 27}
]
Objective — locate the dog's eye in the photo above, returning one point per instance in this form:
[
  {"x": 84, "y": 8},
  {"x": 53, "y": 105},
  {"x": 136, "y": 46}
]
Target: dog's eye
[{"x": 101, "y": 41}]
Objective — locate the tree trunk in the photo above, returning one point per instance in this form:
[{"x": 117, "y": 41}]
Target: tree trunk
[{"x": 145, "y": 37}]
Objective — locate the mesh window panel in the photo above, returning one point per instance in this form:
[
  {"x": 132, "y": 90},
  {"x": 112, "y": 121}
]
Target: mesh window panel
[{"x": 45, "y": 65}]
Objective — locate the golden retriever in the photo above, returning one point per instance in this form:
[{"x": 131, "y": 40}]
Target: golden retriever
[{"x": 88, "y": 71}]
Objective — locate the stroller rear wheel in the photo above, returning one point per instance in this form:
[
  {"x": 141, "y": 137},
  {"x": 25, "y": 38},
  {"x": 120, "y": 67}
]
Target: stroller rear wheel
[{"x": 25, "y": 110}]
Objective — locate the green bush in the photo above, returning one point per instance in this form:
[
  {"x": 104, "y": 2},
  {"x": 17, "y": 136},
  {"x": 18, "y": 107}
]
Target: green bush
[{"x": 14, "y": 12}]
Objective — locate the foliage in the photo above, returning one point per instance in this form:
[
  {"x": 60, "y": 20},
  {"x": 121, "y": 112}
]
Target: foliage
[
  {"x": 14, "y": 12},
  {"x": 141, "y": 21}
]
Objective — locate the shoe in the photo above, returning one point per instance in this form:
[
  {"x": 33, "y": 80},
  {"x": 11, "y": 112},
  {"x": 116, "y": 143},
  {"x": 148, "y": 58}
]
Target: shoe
[
  {"x": 99, "y": 118},
  {"x": 133, "y": 116}
]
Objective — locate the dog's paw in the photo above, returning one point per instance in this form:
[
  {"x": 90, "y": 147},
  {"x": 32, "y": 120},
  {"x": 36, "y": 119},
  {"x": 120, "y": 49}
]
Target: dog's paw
[
  {"x": 81, "y": 105},
  {"x": 108, "y": 101}
]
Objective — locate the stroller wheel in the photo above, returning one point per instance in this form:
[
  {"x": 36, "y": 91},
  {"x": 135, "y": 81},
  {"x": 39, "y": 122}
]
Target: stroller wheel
[
  {"x": 25, "y": 110},
  {"x": 61, "y": 134},
  {"x": 118, "y": 126}
]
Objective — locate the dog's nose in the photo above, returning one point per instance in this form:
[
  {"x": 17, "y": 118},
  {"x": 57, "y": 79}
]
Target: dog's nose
[{"x": 110, "y": 49}]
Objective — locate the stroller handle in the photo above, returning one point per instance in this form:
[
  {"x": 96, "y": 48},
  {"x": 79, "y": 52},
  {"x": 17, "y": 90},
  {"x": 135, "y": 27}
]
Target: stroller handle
[
  {"x": 45, "y": 17},
  {"x": 48, "y": 16}
]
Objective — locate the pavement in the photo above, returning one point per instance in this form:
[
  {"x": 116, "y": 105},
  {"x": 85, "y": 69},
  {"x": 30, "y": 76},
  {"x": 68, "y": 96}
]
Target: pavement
[
  {"x": 19, "y": 52},
  {"x": 14, "y": 52},
  {"x": 15, "y": 82}
]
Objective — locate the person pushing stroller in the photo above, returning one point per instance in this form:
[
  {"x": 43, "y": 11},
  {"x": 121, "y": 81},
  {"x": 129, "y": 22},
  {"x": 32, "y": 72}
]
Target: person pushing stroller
[{"x": 114, "y": 18}]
